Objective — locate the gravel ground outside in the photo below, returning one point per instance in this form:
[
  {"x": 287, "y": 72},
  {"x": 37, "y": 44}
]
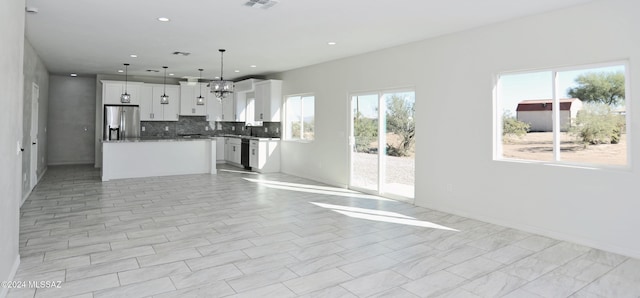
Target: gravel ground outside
[
  {"x": 539, "y": 146},
  {"x": 400, "y": 173}
]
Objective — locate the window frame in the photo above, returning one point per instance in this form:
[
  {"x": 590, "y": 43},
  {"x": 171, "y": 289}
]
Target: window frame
[
  {"x": 557, "y": 161},
  {"x": 286, "y": 122}
]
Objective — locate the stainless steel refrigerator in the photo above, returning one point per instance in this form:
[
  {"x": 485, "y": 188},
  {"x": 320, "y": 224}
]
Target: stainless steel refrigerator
[{"x": 121, "y": 122}]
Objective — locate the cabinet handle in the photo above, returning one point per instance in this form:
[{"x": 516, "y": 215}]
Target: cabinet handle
[
  {"x": 253, "y": 151},
  {"x": 234, "y": 148},
  {"x": 193, "y": 111},
  {"x": 261, "y": 116}
]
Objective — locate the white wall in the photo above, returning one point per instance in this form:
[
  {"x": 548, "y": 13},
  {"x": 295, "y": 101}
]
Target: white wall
[
  {"x": 34, "y": 72},
  {"x": 592, "y": 207},
  {"x": 11, "y": 80},
  {"x": 71, "y": 120}
]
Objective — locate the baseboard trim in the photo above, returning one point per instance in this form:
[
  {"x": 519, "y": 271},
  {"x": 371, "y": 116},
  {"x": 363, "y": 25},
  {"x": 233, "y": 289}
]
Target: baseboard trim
[
  {"x": 12, "y": 274},
  {"x": 42, "y": 175},
  {"x": 541, "y": 231},
  {"x": 316, "y": 179},
  {"x": 26, "y": 196}
]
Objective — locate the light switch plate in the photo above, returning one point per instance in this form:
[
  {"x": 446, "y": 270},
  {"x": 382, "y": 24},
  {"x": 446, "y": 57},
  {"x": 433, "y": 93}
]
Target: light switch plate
[
  {"x": 266, "y": 129},
  {"x": 166, "y": 128},
  {"x": 143, "y": 128}
]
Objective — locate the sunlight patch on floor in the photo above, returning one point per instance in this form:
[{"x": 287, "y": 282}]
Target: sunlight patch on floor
[
  {"x": 238, "y": 172},
  {"x": 317, "y": 189},
  {"x": 382, "y": 216}
]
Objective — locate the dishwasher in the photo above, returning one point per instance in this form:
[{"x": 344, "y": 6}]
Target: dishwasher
[{"x": 244, "y": 153}]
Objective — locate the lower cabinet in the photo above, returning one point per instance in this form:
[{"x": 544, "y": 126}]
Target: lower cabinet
[
  {"x": 232, "y": 150},
  {"x": 264, "y": 155},
  {"x": 220, "y": 146}
]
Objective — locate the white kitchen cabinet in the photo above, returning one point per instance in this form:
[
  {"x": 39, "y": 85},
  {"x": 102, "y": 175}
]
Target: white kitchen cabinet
[
  {"x": 214, "y": 108},
  {"x": 220, "y": 150},
  {"x": 233, "y": 150},
  {"x": 264, "y": 155},
  {"x": 146, "y": 103},
  {"x": 245, "y": 85},
  {"x": 150, "y": 107},
  {"x": 234, "y": 108},
  {"x": 188, "y": 99},
  {"x": 112, "y": 90},
  {"x": 268, "y": 100}
]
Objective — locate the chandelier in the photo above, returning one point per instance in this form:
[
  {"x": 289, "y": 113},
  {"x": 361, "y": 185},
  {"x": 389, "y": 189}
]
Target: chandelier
[{"x": 221, "y": 88}]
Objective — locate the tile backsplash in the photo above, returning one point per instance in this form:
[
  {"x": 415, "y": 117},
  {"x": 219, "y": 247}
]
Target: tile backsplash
[{"x": 189, "y": 125}]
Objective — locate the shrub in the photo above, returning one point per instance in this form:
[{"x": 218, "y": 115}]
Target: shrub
[
  {"x": 365, "y": 131},
  {"x": 596, "y": 124},
  {"x": 513, "y": 127}
]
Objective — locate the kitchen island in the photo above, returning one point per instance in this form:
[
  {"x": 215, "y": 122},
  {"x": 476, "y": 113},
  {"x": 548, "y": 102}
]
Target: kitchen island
[{"x": 138, "y": 158}]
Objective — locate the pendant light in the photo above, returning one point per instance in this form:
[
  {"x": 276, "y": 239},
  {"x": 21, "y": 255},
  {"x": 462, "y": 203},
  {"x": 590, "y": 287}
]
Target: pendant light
[
  {"x": 221, "y": 88},
  {"x": 125, "y": 97},
  {"x": 164, "y": 99},
  {"x": 200, "y": 99}
]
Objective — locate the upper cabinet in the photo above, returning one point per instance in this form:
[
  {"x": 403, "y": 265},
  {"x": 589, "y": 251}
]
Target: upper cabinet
[
  {"x": 268, "y": 99},
  {"x": 188, "y": 99},
  {"x": 247, "y": 85},
  {"x": 112, "y": 90},
  {"x": 150, "y": 107},
  {"x": 214, "y": 108},
  {"x": 234, "y": 108}
]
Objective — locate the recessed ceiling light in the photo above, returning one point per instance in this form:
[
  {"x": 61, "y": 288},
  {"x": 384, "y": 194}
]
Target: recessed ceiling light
[
  {"x": 120, "y": 70},
  {"x": 253, "y": 66},
  {"x": 163, "y": 19},
  {"x": 237, "y": 70},
  {"x": 133, "y": 56},
  {"x": 331, "y": 43},
  {"x": 171, "y": 74},
  {"x": 74, "y": 74},
  {"x": 216, "y": 78},
  {"x": 31, "y": 9}
]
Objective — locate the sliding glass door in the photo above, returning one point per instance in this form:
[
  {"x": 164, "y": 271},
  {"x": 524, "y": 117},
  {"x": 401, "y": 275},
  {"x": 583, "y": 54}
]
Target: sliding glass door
[{"x": 383, "y": 143}]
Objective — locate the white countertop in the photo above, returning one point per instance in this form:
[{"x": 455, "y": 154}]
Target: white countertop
[{"x": 134, "y": 140}]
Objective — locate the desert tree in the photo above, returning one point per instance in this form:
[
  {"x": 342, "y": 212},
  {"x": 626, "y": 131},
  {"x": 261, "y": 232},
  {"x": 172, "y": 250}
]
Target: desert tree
[
  {"x": 400, "y": 121},
  {"x": 602, "y": 87}
]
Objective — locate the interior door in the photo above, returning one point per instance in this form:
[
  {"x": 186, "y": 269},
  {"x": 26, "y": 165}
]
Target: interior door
[{"x": 35, "y": 95}]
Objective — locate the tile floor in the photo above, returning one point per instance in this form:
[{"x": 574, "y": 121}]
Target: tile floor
[{"x": 247, "y": 235}]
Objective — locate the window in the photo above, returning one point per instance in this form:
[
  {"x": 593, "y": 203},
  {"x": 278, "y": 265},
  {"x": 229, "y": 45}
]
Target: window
[
  {"x": 300, "y": 117},
  {"x": 590, "y": 127}
]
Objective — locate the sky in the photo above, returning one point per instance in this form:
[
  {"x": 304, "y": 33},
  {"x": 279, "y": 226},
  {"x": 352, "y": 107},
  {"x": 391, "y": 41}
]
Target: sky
[
  {"x": 368, "y": 104},
  {"x": 538, "y": 85},
  {"x": 293, "y": 107}
]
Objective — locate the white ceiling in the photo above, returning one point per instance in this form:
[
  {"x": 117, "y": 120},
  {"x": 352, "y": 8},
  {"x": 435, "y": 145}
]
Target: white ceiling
[{"x": 91, "y": 37}]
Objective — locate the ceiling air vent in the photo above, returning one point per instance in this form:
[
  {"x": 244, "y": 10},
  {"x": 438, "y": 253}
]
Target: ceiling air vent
[
  {"x": 264, "y": 4},
  {"x": 152, "y": 70},
  {"x": 178, "y": 53}
]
